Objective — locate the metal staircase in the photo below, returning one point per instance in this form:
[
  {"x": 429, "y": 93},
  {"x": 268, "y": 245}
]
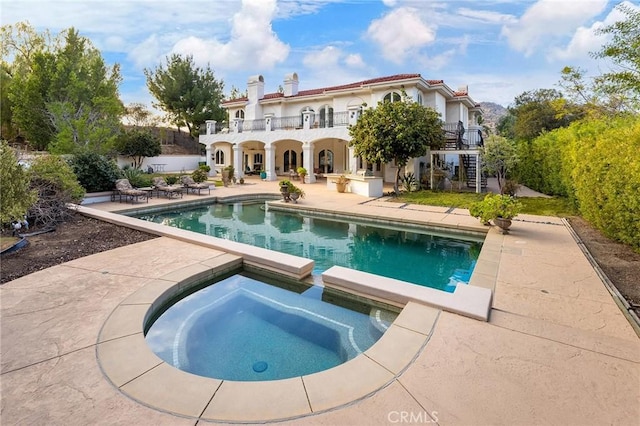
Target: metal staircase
[{"x": 469, "y": 164}]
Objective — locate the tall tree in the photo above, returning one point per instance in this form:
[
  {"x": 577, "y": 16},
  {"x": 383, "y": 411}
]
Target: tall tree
[
  {"x": 137, "y": 114},
  {"x": 624, "y": 51},
  {"x": 534, "y": 112},
  {"x": 84, "y": 105},
  {"x": 187, "y": 93},
  {"x": 396, "y": 131},
  {"x": 62, "y": 94}
]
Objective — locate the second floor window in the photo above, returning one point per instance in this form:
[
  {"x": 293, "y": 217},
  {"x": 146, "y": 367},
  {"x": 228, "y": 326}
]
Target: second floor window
[
  {"x": 240, "y": 114},
  {"x": 392, "y": 97}
]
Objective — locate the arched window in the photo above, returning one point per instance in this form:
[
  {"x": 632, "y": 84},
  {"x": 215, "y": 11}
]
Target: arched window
[
  {"x": 218, "y": 156},
  {"x": 325, "y": 161},
  {"x": 240, "y": 113},
  {"x": 290, "y": 160},
  {"x": 392, "y": 97},
  {"x": 419, "y": 98}
]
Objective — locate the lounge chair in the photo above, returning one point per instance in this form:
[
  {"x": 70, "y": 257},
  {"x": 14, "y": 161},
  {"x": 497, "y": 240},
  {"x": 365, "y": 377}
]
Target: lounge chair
[
  {"x": 191, "y": 185},
  {"x": 128, "y": 192},
  {"x": 169, "y": 191}
]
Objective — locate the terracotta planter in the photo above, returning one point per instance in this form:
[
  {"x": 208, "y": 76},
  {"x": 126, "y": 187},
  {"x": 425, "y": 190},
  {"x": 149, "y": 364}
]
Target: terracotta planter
[
  {"x": 503, "y": 224},
  {"x": 341, "y": 187}
]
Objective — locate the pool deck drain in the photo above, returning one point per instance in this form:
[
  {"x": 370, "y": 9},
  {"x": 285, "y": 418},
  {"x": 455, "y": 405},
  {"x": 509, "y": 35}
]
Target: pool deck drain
[{"x": 539, "y": 353}]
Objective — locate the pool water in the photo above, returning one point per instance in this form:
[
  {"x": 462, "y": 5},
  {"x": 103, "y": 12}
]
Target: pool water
[
  {"x": 420, "y": 258},
  {"x": 244, "y": 329}
]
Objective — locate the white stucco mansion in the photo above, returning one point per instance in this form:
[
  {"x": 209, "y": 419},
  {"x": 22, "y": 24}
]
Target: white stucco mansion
[{"x": 278, "y": 132}]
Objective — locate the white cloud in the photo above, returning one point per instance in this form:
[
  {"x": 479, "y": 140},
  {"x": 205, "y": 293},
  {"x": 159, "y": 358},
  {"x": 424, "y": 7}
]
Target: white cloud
[
  {"x": 331, "y": 58},
  {"x": 488, "y": 17},
  {"x": 547, "y": 20},
  {"x": 253, "y": 44},
  {"x": 586, "y": 40},
  {"x": 354, "y": 61},
  {"x": 400, "y": 33},
  {"x": 325, "y": 58}
]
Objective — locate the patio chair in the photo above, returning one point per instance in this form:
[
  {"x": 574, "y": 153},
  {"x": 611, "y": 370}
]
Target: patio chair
[
  {"x": 169, "y": 191},
  {"x": 191, "y": 185},
  {"x": 124, "y": 189}
]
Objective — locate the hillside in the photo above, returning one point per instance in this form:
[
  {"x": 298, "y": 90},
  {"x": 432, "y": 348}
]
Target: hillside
[{"x": 491, "y": 114}]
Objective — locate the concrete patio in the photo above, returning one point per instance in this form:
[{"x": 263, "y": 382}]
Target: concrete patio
[{"x": 557, "y": 349}]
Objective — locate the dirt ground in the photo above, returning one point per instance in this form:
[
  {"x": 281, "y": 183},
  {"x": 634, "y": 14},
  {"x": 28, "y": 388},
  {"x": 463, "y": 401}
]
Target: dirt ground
[
  {"x": 78, "y": 237},
  {"x": 82, "y": 236}
]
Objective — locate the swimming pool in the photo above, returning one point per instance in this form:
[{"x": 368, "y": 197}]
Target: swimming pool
[
  {"x": 413, "y": 256},
  {"x": 245, "y": 329}
]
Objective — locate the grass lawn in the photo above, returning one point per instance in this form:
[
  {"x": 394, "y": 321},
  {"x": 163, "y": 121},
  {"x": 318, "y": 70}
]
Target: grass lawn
[{"x": 560, "y": 207}]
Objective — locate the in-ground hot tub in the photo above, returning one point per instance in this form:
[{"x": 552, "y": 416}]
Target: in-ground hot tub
[{"x": 245, "y": 329}]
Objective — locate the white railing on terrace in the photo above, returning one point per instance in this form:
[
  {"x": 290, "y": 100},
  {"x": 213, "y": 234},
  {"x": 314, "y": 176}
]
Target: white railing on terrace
[
  {"x": 456, "y": 135},
  {"x": 286, "y": 123}
]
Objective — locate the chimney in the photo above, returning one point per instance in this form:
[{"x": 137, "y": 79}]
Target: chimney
[
  {"x": 255, "y": 88},
  {"x": 291, "y": 84},
  {"x": 464, "y": 89}
]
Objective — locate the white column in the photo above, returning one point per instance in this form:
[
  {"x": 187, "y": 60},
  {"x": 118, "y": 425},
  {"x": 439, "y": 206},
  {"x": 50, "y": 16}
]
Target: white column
[
  {"x": 237, "y": 161},
  {"x": 352, "y": 161},
  {"x": 307, "y": 149},
  {"x": 307, "y": 117},
  {"x": 270, "y": 162},
  {"x": 210, "y": 160}
]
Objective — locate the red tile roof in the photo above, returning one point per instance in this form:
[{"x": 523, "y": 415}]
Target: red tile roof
[{"x": 355, "y": 85}]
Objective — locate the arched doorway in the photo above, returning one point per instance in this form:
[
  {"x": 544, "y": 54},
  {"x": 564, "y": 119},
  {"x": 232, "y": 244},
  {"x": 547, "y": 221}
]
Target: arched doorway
[{"x": 325, "y": 161}]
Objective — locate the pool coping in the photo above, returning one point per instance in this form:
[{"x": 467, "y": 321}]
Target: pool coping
[
  {"x": 130, "y": 365},
  {"x": 474, "y": 303}
]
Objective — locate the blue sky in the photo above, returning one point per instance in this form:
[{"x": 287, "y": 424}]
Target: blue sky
[{"x": 499, "y": 48}]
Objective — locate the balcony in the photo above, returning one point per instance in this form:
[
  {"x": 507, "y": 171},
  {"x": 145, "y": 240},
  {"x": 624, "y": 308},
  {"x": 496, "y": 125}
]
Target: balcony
[
  {"x": 456, "y": 136},
  {"x": 306, "y": 121}
]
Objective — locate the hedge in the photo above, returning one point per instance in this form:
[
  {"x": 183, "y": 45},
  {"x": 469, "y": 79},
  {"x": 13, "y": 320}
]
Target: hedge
[{"x": 596, "y": 164}]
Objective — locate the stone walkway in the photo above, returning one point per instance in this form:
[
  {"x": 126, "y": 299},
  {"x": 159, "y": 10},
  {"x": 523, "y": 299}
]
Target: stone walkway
[{"x": 556, "y": 350}]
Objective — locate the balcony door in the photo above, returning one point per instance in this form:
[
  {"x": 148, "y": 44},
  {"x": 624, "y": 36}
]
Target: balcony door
[{"x": 326, "y": 116}]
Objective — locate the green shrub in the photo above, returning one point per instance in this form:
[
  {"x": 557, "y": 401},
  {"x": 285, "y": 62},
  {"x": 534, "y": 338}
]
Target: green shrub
[
  {"x": 199, "y": 175},
  {"x": 95, "y": 172},
  {"x": 171, "y": 179},
  {"x": 204, "y": 167},
  {"x": 495, "y": 205},
  {"x": 135, "y": 177}
]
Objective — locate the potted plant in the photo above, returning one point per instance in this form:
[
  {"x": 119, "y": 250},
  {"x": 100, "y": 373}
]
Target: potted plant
[
  {"x": 295, "y": 193},
  {"x": 284, "y": 189},
  {"x": 498, "y": 208},
  {"x": 302, "y": 172},
  {"x": 263, "y": 174},
  {"x": 341, "y": 183}
]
